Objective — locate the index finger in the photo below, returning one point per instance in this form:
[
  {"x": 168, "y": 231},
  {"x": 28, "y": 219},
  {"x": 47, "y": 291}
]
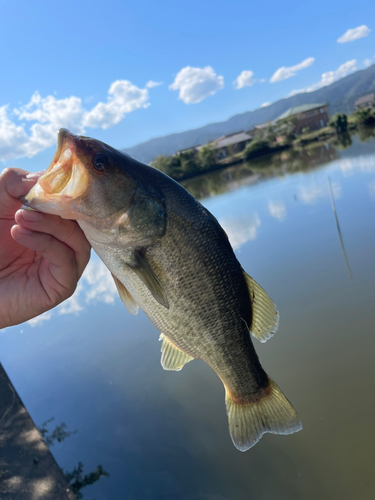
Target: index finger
[{"x": 14, "y": 182}]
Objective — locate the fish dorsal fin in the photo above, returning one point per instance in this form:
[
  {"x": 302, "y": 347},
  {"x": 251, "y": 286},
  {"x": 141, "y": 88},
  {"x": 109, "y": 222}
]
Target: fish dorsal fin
[
  {"x": 172, "y": 358},
  {"x": 125, "y": 296},
  {"x": 265, "y": 319},
  {"x": 142, "y": 268}
]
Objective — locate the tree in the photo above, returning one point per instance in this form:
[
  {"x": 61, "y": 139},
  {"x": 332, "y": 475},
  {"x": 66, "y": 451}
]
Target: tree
[
  {"x": 255, "y": 148},
  {"x": 364, "y": 116},
  {"x": 286, "y": 128},
  {"x": 270, "y": 134},
  {"x": 206, "y": 157},
  {"x": 339, "y": 121},
  {"x": 187, "y": 162},
  {"x": 170, "y": 165}
]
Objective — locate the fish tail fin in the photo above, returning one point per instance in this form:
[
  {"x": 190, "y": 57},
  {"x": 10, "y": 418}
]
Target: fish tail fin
[{"x": 271, "y": 413}]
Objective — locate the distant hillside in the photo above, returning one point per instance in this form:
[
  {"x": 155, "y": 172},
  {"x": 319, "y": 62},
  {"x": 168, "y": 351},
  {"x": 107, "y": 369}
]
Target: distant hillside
[{"x": 340, "y": 95}]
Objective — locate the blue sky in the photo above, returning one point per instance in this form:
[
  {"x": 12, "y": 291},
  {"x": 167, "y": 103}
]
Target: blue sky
[{"x": 60, "y": 60}]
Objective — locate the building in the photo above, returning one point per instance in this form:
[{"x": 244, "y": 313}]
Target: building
[
  {"x": 228, "y": 145},
  {"x": 366, "y": 101},
  {"x": 314, "y": 116},
  {"x": 260, "y": 128}
]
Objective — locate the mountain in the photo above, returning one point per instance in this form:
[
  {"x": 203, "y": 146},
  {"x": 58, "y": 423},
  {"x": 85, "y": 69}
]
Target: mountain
[{"x": 340, "y": 95}]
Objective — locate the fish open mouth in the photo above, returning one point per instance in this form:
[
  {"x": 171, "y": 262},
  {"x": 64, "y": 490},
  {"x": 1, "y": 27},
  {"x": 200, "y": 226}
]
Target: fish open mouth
[{"x": 65, "y": 179}]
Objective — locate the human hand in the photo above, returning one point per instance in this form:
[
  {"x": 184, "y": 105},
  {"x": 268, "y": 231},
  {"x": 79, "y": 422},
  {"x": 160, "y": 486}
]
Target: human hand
[{"x": 42, "y": 256}]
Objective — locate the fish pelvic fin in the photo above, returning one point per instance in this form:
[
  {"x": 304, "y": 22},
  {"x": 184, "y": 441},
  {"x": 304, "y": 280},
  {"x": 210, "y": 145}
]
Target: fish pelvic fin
[
  {"x": 125, "y": 296},
  {"x": 271, "y": 413},
  {"x": 172, "y": 358},
  {"x": 265, "y": 317}
]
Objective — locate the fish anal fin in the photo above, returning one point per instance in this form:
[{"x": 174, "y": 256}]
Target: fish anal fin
[
  {"x": 172, "y": 358},
  {"x": 143, "y": 270},
  {"x": 265, "y": 316},
  {"x": 125, "y": 296},
  {"x": 272, "y": 413}
]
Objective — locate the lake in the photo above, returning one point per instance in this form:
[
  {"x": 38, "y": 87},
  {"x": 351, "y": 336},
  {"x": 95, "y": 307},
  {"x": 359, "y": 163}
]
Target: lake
[{"x": 164, "y": 435}]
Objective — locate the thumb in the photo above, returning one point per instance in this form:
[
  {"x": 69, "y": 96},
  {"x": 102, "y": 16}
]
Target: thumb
[{"x": 14, "y": 183}]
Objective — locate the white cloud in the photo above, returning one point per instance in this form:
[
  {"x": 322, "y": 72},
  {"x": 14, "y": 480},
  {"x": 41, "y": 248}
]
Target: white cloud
[
  {"x": 330, "y": 77},
  {"x": 48, "y": 114},
  {"x": 265, "y": 104},
  {"x": 123, "y": 97},
  {"x": 240, "y": 230},
  {"x": 277, "y": 209},
  {"x": 151, "y": 84},
  {"x": 40, "y": 319},
  {"x": 283, "y": 73},
  {"x": 12, "y": 137},
  {"x": 369, "y": 62},
  {"x": 354, "y": 34},
  {"x": 245, "y": 79},
  {"x": 195, "y": 84}
]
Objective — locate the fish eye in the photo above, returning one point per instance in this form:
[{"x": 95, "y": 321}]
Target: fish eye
[{"x": 101, "y": 162}]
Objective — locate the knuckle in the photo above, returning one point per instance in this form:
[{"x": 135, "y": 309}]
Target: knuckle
[
  {"x": 71, "y": 288},
  {"x": 6, "y": 175},
  {"x": 11, "y": 173}
]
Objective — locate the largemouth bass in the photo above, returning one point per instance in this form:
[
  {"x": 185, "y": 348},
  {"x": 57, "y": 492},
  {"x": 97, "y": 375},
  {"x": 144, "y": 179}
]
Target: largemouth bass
[{"x": 169, "y": 256}]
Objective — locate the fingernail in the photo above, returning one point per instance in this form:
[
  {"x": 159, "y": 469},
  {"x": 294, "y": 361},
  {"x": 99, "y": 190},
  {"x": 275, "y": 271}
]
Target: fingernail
[
  {"x": 23, "y": 230},
  {"x": 31, "y": 216},
  {"x": 34, "y": 175}
]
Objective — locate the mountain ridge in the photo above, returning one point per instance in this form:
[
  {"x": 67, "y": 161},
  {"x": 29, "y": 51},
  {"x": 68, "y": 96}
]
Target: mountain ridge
[{"x": 340, "y": 96}]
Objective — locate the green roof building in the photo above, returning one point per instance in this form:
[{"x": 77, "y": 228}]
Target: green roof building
[{"x": 313, "y": 116}]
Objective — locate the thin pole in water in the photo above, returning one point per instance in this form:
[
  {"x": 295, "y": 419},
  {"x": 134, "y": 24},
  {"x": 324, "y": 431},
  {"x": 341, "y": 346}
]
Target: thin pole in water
[{"x": 339, "y": 230}]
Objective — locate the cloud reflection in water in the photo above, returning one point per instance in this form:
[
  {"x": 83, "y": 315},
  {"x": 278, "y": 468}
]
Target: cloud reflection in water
[
  {"x": 241, "y": 229},
  {"x": 277, "y": 209},
  {"x": 96, "y": 284}
]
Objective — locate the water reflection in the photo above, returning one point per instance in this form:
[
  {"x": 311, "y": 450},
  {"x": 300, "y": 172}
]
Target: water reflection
[
  {"x": 165, "y": 435},
  {"x": 363, "y": 163},
  {"x": 249, "y": 173},
  {"x": 371, "y": 187},
  {"x": 96, "y": 285},
  {"x": 277, "y": 209},
  {"x": 365, "y": 134},
  {"x": 338, "y": 229},
  {"x": 75, "y": 478},
  {"x": 241, "y": 229}
]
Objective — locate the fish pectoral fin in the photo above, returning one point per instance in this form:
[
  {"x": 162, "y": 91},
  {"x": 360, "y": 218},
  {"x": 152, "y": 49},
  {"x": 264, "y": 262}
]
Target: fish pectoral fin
[
  {"x": 142, "y": 268},
  {"x": 172, "y": 358},
  {"x": 125, "y": 296},
  {"x": 265, "y": 318}
]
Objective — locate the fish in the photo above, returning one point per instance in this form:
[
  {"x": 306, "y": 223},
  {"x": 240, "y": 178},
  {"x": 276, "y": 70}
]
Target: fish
[{"x": 170, "y": 257}]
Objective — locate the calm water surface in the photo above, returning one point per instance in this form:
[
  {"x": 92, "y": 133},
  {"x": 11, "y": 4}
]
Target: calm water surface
[{"x": 164, "y": 435}]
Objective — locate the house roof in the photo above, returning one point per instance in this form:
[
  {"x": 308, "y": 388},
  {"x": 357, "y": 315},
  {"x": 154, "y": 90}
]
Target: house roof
[
  {"x": 263, "y": 125},
  {"x": 364, "y": 99},
  {"x": 231, "y": 139},
  {"x": 300, "y": 109}
]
